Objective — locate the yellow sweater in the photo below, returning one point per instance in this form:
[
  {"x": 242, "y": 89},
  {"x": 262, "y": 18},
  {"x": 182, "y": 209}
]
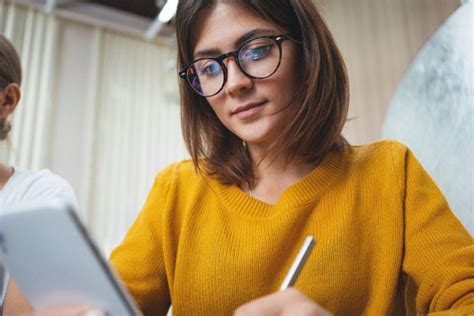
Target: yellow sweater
[{"x": 386, "y": 240}]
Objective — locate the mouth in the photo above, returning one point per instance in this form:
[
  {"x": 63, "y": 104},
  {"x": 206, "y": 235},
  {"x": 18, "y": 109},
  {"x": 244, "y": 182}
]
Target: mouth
[{"x": 248, "y": 110}]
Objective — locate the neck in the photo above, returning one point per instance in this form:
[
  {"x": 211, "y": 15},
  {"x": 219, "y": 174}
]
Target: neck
[
  {"x": 5, "y": 174},
  {"x": 273, "y": 174}
]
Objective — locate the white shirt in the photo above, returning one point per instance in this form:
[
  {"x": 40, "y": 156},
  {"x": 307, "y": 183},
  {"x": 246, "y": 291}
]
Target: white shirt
[{"x": 26, "y": 186}]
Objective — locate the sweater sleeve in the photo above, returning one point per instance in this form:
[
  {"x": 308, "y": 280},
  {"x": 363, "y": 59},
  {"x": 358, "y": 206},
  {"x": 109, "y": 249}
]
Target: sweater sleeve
[
  {"x": 139, "y": 259},
  {"x": 439, "y": 252}
]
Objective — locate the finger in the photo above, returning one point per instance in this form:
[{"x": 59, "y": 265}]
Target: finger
[
  {"x": 271, "y": 305},
  {"x": 286, "y": 303},
  {"x": 258, "y": 308},
  {"x": 304, "y": 309}
]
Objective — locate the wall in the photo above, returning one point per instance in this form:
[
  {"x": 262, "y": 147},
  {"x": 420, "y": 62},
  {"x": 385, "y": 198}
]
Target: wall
[
  {"x": 379, "y": 39},
  {"x": 101, "y": 107}
]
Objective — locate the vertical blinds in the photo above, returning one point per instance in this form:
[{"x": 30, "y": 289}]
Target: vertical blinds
[{"x": 132, "y": 121}]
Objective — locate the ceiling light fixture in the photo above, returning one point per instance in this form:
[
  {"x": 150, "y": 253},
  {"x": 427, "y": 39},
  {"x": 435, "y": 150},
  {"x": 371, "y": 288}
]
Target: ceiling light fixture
[
  {"x": 165, "y": 15},
  {"x": 168, "y": 11}
]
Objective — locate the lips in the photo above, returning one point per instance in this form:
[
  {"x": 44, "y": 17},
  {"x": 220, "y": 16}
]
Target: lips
[{"x": 249, "y": 108}]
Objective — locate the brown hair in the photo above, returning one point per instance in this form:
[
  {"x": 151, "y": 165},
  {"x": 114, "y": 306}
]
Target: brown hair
[
  {"x": 323, "y": 95},
  {"x": 10, "y": 72}
]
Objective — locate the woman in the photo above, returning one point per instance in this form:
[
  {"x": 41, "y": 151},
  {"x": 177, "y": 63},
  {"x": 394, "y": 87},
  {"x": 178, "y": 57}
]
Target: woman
[
  {"x": 19, "y": 185},
  {"x": 264, "y": 99}
]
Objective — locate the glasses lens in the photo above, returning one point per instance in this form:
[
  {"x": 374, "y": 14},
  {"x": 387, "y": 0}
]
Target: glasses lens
[
  {"x": 206, "y": 76},
  {"x": 260, "y": 58}
]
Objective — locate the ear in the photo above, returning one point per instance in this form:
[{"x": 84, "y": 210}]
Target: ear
[{"x": 9, "y": 98}]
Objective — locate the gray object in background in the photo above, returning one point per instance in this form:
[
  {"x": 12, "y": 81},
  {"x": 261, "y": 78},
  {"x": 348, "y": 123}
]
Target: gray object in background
[
  {"x": 433, "y": 110},
  {"x": 51, "y": 256}
]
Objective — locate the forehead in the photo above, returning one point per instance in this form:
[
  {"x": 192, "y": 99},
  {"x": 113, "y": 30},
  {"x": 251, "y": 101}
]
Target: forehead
[{"x": 222, "y": 25}]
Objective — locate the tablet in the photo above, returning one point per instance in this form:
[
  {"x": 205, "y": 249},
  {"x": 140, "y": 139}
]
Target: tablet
[{"x": 49, "y": 253}]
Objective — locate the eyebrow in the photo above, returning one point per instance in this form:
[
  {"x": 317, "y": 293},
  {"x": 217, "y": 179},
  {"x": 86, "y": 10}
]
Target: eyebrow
[{"x": 242, "y": 39}]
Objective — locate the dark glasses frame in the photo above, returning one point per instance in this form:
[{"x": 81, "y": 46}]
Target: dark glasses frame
[{"x": 278, "y": 39}]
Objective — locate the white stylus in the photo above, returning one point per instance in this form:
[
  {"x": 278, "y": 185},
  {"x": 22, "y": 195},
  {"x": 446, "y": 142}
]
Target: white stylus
[{"x": 299, "y": 262}]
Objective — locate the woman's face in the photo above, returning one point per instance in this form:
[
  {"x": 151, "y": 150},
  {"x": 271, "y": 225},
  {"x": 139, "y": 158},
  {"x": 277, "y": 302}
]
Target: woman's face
[{"x": 250, "y": 108}]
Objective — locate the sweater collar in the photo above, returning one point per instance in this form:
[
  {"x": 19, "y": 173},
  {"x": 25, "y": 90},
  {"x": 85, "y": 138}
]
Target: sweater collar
[{"x": 305, "y": 191}]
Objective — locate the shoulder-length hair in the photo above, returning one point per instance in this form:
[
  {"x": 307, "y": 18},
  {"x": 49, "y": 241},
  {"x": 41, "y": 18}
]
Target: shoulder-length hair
[{"x": 314, "y": 127}]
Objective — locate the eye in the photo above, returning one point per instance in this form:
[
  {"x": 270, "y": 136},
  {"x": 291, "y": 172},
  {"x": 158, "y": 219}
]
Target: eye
[
  {"x": 257, "y": 52},
  {"x": 210, "y": 69}
]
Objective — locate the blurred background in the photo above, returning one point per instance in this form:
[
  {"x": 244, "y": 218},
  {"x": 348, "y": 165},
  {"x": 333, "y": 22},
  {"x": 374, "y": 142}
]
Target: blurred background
[{"x": 101, "y": 104}]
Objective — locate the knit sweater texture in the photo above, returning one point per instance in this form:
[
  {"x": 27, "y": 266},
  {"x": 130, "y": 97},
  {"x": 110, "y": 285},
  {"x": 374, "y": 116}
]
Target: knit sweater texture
[{"x": 387, "y": 242}]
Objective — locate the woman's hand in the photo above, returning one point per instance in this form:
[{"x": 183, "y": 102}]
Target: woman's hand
[{"x": 286, "y": 303}]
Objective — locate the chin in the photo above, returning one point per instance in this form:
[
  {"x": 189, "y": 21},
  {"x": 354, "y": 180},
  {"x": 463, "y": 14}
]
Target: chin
[{"x": 255, "y": 140}]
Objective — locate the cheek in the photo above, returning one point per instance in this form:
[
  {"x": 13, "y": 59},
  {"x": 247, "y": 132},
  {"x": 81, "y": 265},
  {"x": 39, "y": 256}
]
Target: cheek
[
  {"x": 217, "y": 106},
  {"x": 287, "y": 73},
  {"x": 292, "y": 70},
  {"x": 283, "y": 84}
]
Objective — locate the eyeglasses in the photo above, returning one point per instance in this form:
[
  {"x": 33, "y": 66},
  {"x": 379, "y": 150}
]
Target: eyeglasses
[{"x": 258, "y": 58}]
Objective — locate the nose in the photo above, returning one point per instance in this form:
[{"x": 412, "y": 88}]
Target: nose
[{"x": 237, "y": 81}]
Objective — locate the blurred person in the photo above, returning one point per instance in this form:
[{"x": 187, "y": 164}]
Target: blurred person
[{"x": 18, "y": 185}]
